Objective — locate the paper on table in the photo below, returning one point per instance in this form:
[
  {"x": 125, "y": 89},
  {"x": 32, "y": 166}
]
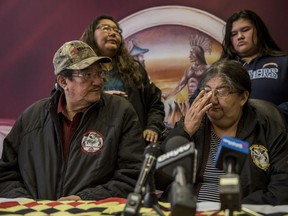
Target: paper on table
[
  {"x": 11, "y": 199},
  {"x": 263, "y": 209},
  {"x": 208, "y": 206},
  {"x": 267, "y": 209}
]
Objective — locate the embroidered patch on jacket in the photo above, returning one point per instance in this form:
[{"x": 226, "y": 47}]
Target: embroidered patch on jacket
[
  {"x": 92, "y": 142},
  {"x": 260, "y": 157}
]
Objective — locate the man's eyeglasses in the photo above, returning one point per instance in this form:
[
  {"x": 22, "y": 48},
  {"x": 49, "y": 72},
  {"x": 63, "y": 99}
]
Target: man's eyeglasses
[
  {"x": 219, "y": 92},
  {"x": 89, "y": 75},
  {"x": 108, "y": 28}
]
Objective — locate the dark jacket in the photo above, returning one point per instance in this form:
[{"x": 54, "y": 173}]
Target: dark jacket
[
  {"x": 269, "y": 77},
  {"x": 105, "y": 155},
  {"x": 147, "y": 103},
  {"x": 263, "y": 126}
]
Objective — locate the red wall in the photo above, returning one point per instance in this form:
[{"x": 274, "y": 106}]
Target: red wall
[{"x": 31, "y": 32}]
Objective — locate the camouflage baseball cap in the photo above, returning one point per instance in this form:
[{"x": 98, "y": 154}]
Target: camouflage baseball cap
[{"x": 75, "y": 55}]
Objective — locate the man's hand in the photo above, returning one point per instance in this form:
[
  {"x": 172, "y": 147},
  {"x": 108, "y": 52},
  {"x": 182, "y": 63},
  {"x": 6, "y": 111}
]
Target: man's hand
[{"x": 71, "y": 197}]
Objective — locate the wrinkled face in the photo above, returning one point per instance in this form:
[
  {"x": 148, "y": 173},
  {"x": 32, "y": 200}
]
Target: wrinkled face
[
  {"x": 85, "y": 87},
  {"x": 227, "y": 104},
  {"x": 244, "y": 38},
  {"x": 107, "y": 37}
]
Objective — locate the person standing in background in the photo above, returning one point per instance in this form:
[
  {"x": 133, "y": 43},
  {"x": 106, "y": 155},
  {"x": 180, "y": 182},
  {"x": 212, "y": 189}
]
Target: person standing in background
[
  {"x": 248, "y": 40},
  {"x": 125, "y": 76}
]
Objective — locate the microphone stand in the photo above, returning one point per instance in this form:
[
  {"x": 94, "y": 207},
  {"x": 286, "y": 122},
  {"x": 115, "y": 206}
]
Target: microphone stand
[
  {"x": 182, "y": 200},
  {"x": 230, "y": 197},
  {"x": 134, "y": 200},
  {"x": 150, "y": 198}
]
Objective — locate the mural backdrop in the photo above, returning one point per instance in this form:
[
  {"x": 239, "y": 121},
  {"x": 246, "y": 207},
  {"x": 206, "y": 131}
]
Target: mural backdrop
[
  {"x": 175, "y": 50},
  {"x": 175, "y": 40}
]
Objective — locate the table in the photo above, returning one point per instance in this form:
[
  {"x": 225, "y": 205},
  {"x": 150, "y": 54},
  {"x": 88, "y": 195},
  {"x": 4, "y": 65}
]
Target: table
[
  {"x": 110, "y": 206},
  {"x": 29, "y": 207}
]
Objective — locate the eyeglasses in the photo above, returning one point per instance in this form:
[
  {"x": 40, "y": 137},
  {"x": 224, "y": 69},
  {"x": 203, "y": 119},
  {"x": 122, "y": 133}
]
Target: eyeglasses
[
  {"x": 219, "y": 92},
  {"x": 108, "y": 28},
  {"x": 89, "y": 75}
]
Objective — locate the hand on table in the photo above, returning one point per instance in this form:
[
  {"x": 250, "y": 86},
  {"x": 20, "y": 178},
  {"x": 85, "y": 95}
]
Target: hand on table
[{"x": 71, "y": 197}]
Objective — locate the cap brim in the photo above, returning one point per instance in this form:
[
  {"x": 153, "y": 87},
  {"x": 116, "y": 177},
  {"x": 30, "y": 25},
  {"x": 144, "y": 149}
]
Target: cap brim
[{"x": 87, "y": 62}]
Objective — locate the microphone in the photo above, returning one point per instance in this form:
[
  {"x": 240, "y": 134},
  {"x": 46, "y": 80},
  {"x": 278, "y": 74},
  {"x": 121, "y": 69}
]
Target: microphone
[
  {"x": 230, "y": 157},
  {"x": 181, "y": 197},
  {"x": 179, "y": 162},
  {"x": 231, "y": 154},
  {"x": 179, "y": 152},
  {"x": 152, "y": 151}
]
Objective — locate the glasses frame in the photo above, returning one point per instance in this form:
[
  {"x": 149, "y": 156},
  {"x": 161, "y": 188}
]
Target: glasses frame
[
  {"x": 87, "y": 76},
  {"x": 108, "y": 28},
  {"x": 218, "y": 92}
]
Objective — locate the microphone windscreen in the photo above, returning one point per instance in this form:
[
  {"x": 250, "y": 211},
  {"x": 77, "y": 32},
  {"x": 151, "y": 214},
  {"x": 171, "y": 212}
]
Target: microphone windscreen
[
  {"x": 174, "y": 143},
  {"x": 234, "y": 150},
  {"x": 180, "y": 152},
  {"x": 153, "y": 149}
]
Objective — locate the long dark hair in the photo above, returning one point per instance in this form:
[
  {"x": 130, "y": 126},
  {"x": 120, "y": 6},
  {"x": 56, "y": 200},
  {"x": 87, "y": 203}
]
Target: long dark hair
[
  {"x": 129, "y": 69},
  {"x": 266, "y": 44}
]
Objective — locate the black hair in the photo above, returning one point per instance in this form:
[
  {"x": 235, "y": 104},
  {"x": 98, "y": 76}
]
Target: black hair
[
  {"x": 129, "y": 69},
  {"x": 232, "y": 72},
  {"x": 266, "y": 44}
]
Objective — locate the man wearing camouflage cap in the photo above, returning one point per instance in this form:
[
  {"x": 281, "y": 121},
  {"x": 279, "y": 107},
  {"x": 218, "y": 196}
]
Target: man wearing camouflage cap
[{"x": 78, "y": 143}]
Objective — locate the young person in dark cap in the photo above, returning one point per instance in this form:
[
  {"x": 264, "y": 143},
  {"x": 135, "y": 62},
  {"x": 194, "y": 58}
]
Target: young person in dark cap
[{"x": 76, "y": 144}]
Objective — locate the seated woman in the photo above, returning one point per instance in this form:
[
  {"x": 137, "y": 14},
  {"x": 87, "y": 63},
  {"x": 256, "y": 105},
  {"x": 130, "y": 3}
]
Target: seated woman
[{"x": 223, "y": 108}]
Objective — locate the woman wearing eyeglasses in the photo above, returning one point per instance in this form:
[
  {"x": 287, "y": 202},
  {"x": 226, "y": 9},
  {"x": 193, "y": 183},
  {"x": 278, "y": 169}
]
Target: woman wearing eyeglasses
[
  {"x": 223, "y": 108},
  {"x": 125, "y": 76}
]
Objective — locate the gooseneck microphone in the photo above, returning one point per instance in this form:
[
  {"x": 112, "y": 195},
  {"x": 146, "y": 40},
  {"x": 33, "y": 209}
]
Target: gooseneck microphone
[
  {"x": 179, "y": 152},
  {"x": 179, "y": 162},
  {"x": 230, "y": 157},
  {"x": 231, "y": 154},
  {"x": 152, "y": 151}
]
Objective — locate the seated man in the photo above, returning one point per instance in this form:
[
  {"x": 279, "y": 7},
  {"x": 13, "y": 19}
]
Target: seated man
[{"x": 78, "y": 144}]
